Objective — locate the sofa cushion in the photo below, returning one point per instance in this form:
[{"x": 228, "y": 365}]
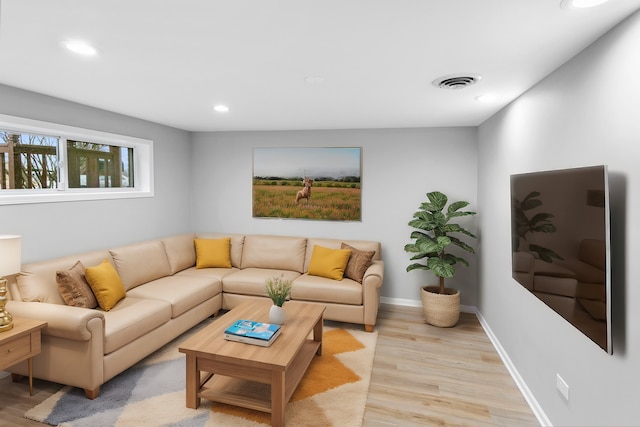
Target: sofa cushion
[
  {"x": 141, "y": 263},
  {"x": 182, "y": 292},
  {"x": 105, "y": 284},
  {"x": 216, "y": 274},
  {"x": 131, "y": 319},
  {"x": 274, "y": 252},
  {"x": 329, "y": 263},
  {"x": 358, "y": 263},
  {"x": 321, "y": 289},
  {"x": 74, "y": 288},
  {"x": 237, "y": 243},
  {"x": 37, "y": 281},
  {"x": 180, "y": 251},
  {"x": 213, "y": 253},
  {"x": 251, "y": 281}
]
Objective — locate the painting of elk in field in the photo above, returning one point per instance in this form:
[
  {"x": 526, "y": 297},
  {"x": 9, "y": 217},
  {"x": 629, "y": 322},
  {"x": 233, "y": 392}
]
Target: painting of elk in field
[{"x": 307, "y": 183}]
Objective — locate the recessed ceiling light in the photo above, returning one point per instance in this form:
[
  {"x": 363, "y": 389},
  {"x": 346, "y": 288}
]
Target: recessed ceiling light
[
  {"x": 580, "y": 4},
  {"x": 80, "y": 47},
  {"x": 221, "y": 108}
]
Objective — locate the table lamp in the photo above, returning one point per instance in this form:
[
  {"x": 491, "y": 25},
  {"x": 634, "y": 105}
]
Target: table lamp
[{"x": 10, "y": 253}]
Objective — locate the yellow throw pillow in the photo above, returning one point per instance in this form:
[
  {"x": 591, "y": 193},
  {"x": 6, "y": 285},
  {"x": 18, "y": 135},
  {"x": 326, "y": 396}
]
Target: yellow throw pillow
[
  {"x": 211, "y": 253},
  {"x": 105, "y": 284},
  {"x": 329, "y": 263}
]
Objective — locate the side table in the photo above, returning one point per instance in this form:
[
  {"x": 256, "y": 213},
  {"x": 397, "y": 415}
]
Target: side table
[{"x": 22, "y": 342}]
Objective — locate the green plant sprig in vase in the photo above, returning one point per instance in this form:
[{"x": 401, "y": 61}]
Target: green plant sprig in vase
[{"x": 278, "y": 289}]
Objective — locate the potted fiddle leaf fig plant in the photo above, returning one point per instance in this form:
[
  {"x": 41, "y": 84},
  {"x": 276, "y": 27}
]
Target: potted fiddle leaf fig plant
[
  {"x": 434, "y": 237},
  {"x": 278, "y": 289}
]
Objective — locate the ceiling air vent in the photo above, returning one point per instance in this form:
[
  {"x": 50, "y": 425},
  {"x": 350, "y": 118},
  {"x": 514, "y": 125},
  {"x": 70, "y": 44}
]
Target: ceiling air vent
[{"x": 456, "y": 81}]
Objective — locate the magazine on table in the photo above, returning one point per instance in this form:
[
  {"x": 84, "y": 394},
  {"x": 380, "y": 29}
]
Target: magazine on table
[{"x": 250, "y": 332}]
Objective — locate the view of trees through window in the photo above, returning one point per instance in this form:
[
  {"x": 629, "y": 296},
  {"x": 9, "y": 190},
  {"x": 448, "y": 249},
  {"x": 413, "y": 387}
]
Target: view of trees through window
[{"x": 30, "y": 161}]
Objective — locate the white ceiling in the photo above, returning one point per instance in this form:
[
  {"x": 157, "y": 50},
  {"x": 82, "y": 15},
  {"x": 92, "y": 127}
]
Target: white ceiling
[{"x": 171, "y": 61}]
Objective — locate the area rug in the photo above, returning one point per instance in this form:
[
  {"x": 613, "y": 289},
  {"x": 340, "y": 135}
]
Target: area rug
[{"x": 333, "y": 392}]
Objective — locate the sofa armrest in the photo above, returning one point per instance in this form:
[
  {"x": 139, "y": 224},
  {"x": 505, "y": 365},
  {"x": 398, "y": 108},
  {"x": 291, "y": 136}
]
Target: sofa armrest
[
  {"x": 374, "y": 274},
  {"x": 371, "y": 282},
  {"x": 62, "y": 320}
]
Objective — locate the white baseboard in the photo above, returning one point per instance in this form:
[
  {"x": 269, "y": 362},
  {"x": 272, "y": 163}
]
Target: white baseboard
[
  {"x": 417, "y": 303},
  {"x": 524, "y": 389}
]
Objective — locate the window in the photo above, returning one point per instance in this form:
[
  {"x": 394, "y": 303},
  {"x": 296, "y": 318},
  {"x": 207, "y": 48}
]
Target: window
[
  {"x": 92, "y": 165},
  {"x": 42, "y": 162},
  {"x": 28, "y": 161}
]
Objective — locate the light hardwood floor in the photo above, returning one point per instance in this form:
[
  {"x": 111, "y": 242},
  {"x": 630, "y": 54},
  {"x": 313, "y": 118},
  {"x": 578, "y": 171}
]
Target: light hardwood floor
[
  {"x": 422, "y": 376},
  {"x": 428, "y": 376}
]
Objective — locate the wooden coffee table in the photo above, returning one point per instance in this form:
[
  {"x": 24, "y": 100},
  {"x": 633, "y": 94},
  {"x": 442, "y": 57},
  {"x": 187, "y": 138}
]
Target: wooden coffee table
[{"x": 229, "y": 365}]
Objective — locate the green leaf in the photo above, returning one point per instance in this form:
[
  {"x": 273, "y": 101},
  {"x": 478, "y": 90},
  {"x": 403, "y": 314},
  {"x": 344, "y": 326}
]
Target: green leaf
[
  {"x": 452, "y": 260},
  {"x": 422, "y": 224},
  {"x": 437, "y": 199},
  {"x": 458, "y": 214},
  {"x": 418, "y": 235},
  {"x": 417, "y": 267},
  {"x": 411, "y": 247},
  {"x": 459, "y": 243},
  {"x": 455, "y": 206},
  {"x": 440, "y": 268}
]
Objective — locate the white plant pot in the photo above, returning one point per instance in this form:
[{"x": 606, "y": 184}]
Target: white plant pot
[{"x": 277, "y": 315}]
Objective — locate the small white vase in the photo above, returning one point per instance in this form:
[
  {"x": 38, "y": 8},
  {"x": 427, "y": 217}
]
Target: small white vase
[{"x": 277, "y": 315}]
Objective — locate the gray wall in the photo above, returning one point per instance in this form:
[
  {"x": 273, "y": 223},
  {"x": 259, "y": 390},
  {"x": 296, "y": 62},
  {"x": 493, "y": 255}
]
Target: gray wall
[
  {"x": 56, "y": 229},
  {"x": 399, "y": 166},
  {"x": 585, "y": 113}
]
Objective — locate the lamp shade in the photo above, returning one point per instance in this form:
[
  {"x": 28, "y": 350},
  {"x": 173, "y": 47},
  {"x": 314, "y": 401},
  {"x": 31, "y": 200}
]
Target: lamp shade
[{"x": 10, "y": 254}]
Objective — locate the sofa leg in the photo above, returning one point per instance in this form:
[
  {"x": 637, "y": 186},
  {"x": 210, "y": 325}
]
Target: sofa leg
[
  {"x": 92, "y": 394},
  {"x": 369, "y": 328}
]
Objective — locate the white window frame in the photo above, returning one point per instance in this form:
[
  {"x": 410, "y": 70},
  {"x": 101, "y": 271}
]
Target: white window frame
[{"x": 142, "y": 157}]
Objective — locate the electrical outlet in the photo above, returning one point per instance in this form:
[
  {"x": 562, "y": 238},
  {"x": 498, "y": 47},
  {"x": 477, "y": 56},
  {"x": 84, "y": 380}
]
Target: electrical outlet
[{"x": 562, "y": 386}]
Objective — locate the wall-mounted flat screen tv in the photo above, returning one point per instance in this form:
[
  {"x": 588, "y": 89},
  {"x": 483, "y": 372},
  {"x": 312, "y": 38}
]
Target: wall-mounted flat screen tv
[{"x": 561, "y": 245}]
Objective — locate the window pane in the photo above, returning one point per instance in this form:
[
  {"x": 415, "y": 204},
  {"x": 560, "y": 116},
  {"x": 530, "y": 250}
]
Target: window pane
[
  {"x": 28, "y": 161},
  {"x": 94, "y": 165}
]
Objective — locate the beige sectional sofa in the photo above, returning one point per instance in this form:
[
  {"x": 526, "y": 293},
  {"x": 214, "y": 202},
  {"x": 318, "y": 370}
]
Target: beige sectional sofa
[{"x": 167, "y": 295}]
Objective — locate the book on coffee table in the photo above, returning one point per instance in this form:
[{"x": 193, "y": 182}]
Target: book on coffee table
[{"x": 250, "y": 332}]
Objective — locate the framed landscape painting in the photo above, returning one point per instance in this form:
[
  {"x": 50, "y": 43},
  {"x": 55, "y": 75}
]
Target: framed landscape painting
[{"x": 307, "y": 183}]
